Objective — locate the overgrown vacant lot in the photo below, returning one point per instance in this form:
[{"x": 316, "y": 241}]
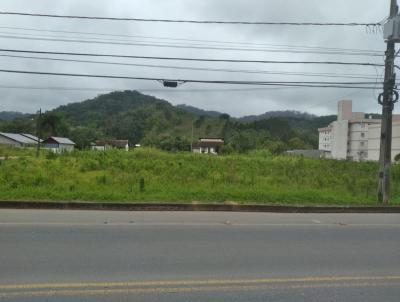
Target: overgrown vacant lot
[{"x": 152, "y": 175}]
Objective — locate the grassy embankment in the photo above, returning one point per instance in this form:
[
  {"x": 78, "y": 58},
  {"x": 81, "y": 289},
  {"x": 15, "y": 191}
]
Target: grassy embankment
[{"x": 184, "y": 177}]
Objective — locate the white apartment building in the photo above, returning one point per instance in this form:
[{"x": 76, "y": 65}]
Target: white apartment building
[
  {"x": 347, "y": 137},
  {"x": 325, "y": 141},
  {"x": 374, "y": 138}
]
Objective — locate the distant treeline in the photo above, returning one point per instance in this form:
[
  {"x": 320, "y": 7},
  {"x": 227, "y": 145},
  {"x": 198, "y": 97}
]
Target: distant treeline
[{"x": 156, "y": 123}]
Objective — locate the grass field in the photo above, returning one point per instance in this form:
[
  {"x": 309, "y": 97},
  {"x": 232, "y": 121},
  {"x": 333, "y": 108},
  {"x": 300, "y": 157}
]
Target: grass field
[{"x": 149, "y": 175}]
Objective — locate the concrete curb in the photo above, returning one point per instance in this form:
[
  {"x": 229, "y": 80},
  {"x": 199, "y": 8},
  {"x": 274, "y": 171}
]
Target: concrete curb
[{"x": 194, "y": 207}]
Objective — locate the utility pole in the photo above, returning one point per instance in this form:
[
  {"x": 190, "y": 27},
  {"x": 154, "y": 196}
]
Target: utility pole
[
  {"x": 38, "y": 120},
  {"x": 387, "y": 102}
]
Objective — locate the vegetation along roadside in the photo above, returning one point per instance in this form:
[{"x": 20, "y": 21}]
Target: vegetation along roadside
[{"x": 151, "y": 175}]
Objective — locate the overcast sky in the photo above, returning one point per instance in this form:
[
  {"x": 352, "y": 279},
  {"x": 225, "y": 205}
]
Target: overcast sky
[{"x": 235, "y": 102}]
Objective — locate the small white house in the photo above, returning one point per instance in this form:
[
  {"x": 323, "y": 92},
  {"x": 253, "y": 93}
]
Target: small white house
[
  {"x": 208, "y": 145},
  {"x": 102, "y": 145},
  {"x": 58, "y": 144}
]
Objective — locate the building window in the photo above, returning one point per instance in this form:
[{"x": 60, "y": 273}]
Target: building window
[
  {"x": 362, "y": 144},
  {"x": 362, "y": 134}
]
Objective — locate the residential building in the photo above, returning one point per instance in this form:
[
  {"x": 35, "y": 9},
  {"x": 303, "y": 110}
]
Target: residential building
[
  {"x": 103, "y": 145},
  {"x": 208, "y": 145},
  {"x": 347, "y": 137},
  {"x": 325, "y": 141},
  {"x": 18, "y": 140},
  {"x": 97, "y": 146},
  {"x": 58, "y": 144},
  {"x": 374, "y": 139}
]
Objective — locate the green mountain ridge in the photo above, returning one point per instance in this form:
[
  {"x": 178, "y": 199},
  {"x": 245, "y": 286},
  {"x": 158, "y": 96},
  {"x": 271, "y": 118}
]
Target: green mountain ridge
[
  {"x": 271, "y": 114},
  {"x": 10, "y": 115},
  {"x": 154, "y": 122},
  {"x": 198, "y": 111}
]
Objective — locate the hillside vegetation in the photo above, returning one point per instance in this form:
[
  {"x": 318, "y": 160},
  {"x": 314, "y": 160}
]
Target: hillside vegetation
[
  {"x": 286, "y": 113},
  {"x": 150, "y": 175},
  {"x": 10, "y": 115},
  {"x": 156, "y": 123}
]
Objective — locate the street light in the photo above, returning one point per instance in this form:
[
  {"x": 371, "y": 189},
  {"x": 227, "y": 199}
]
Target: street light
[{"x": 171, "y": 83}]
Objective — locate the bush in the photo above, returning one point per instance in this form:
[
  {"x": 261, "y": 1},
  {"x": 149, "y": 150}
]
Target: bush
[
  {"x": 226, "y": 150},
  {"x": 261, "y": 153},
  {"x": 51, "y": 155},
  {"x": 276, "y": 147},
  {"x": 153, "y": 175}
]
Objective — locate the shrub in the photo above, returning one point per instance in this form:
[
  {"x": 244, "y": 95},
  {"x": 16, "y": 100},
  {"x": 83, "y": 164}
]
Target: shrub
[
  {"x": 226, "y": 149},
  {"x": 154, "y": 175},
  {"x": 51, "y": 155}
]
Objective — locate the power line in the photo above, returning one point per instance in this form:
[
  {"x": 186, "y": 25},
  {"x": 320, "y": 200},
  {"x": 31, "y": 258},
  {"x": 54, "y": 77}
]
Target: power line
[
  {"x": 229, "y": 82},
  {"x": 180, "y": 40},
  {"x": 190, "y": 21},
  {"x": 327, "y": 75},
  {"x": 68, "y": 40},
  {"x": 194, "y": 40},
  {"x": 138, "y": 89},
  {"x": 192, "y": 59}
]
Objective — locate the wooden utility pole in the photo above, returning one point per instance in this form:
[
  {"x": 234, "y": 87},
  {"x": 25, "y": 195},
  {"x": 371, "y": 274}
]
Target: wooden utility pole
[
  {"x": 38, "y": 120},
  {"x": 387, "y": 102}
]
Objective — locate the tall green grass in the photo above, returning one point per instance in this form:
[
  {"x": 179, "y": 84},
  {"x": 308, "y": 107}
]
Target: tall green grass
[{"x": 149, "y": 175}]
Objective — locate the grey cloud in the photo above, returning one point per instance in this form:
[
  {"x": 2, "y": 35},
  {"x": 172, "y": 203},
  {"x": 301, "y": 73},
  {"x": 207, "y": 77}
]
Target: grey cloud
[{"x": 237, "y": 103}]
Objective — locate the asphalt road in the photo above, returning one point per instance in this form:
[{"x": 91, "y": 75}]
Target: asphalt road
[{"x": 48, "y": 255}]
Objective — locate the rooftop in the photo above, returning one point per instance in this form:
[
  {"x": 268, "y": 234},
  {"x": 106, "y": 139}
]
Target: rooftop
[
  {"x": 61, "y": 140},
  {"x": 31, "y": 136},
  {"x": 329, "y": 128},
  {"x": 19, "y": 138},
  {"x": 205, "y": 139}
]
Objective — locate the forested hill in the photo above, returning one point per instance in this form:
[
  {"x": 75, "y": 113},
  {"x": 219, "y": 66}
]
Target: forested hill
[
  {"x": 198, "y": 111},
  {"x": 150, "y": 121},
  {"x": 10, "y": 115},
  {"x": 270, "y": 114}
]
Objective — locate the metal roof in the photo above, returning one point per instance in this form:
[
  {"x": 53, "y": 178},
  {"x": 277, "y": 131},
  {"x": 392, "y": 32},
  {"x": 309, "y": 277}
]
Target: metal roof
[
  {"x": 63, "y": 140},
  {"x": 31, "y": 136},
  {"x": 18, "y": 138},
  {"x": 211, "y": 139}
]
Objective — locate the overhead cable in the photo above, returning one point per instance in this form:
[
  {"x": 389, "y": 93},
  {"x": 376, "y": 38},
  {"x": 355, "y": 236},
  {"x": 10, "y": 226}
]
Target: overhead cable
[
  {"x": 191, "y": 59},
  {"x": 91, "y": 34},
  {"x": 183, "y": 46},
  {"x": 190, "y": 21},
  {"x": 63, "y": 88},
  {"x": 320, "y": 84},
  {"x": 327, "y": 75}
]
